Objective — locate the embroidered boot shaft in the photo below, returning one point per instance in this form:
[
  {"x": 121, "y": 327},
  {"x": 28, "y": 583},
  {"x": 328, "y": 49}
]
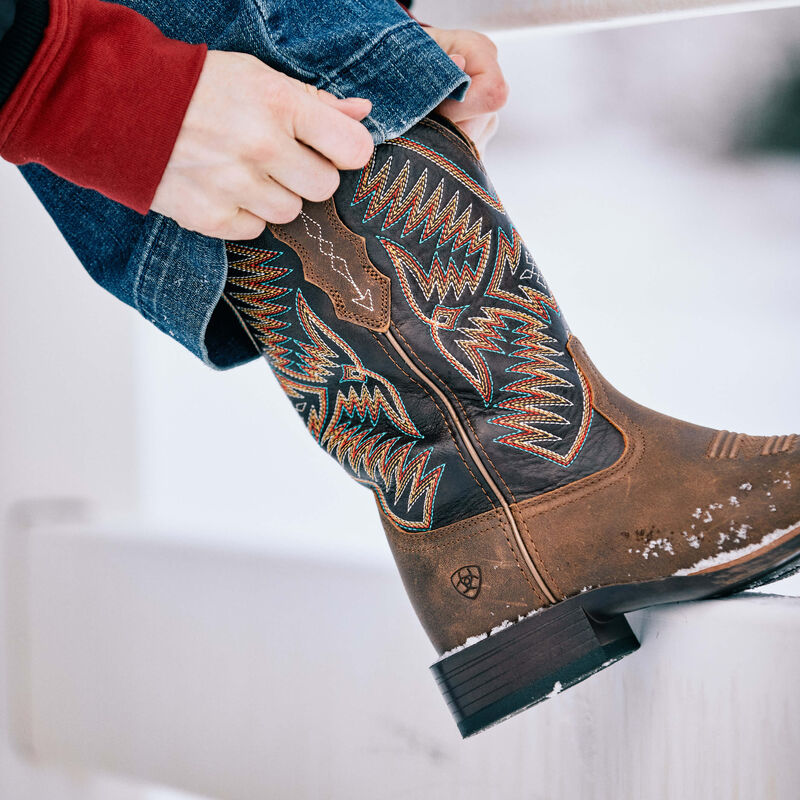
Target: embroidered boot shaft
[{"x": 417, "y": 338}]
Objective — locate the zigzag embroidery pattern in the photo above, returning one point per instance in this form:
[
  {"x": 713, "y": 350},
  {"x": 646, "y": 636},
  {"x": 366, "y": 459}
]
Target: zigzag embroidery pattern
[
  {"x": 323, "y": 364},
  {"x": 533, "y": 403},
  {"x": 446, "y": 164},
  {"x": 434, "y": 217}
]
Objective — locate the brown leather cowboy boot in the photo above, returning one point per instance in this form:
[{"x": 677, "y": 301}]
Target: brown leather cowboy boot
[{"x": 527, "y": 502}]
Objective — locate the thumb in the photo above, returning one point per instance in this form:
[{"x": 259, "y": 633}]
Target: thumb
[{"x": 458, "y": 60}]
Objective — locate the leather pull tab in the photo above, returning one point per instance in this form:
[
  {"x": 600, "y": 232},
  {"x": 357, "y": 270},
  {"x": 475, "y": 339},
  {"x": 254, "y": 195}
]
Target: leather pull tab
[{"x": 335, "y": 259}]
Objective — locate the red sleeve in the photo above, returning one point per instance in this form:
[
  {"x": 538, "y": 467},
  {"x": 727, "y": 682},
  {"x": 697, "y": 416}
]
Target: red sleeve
[{"x": 102, "y": 102}]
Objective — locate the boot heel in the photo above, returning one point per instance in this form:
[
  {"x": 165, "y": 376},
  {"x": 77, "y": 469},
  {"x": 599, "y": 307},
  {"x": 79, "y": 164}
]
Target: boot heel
[{"x": 525, "y": 663}]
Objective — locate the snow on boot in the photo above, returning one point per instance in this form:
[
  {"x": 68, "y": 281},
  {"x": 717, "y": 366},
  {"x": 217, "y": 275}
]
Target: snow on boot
[{"x": 527, "y": 502}]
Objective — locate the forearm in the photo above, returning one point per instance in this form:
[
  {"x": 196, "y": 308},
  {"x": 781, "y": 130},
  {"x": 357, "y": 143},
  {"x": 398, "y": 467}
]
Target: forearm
[{"x": 100, "y": 100}]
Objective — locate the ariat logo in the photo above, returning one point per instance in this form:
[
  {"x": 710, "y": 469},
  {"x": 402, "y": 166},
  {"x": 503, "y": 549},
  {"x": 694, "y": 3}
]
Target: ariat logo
[{"x": 467, "y": 581}]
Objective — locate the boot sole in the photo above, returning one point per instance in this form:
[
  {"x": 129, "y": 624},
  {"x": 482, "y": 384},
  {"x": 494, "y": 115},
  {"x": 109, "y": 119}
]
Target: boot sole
[{"x": 561, "y": 645}]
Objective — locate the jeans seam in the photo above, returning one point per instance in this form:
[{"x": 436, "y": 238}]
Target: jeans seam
[
  {"x": 145, "y": 261},
  {"x": 378, "y": 41}
]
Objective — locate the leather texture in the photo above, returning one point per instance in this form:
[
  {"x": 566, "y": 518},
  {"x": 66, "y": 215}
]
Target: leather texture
[
  {"x": 429, "y": 563},
  {"x": 508, "y": 473},
  {"x": 335, "y": 260},
  {"x": 471, "y": 311},
  {"x": 673, "y": 500},
  {"x": 471, "y": 306}
]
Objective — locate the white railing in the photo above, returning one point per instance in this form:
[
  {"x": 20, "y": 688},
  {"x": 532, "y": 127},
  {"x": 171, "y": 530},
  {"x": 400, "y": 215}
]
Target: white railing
[
  {"x": 220, "y": 671},
  {"x": 509, "y": 14}
]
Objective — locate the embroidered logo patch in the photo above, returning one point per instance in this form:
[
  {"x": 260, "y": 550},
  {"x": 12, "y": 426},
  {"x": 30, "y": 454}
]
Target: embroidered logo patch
[{"x": 467, "y": 581}]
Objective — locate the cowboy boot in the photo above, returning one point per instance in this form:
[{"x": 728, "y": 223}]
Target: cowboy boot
[{"x": 528, "y": 504}]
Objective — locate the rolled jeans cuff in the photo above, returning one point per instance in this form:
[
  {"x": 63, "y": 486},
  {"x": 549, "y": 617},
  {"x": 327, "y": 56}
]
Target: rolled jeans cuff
[
  {"x": 174, "y": 277},
  {"x": 404, "y": 73}
]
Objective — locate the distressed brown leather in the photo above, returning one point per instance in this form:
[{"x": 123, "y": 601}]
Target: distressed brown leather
[
  {"x": 335, "y": 259},
  {"x": 448, "y": 611},
  {"x": 510, "y": 474},
  {"x": 679, "y": 494}
]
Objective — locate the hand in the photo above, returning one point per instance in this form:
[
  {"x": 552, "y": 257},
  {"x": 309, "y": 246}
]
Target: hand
[
  {"x": 476, "y": 54},
  {"x": 253, "y": 144}
]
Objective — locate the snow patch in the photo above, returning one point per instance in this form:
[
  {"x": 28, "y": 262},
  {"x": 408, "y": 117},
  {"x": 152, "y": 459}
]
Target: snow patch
[
  {"x": 652, "y": 548},
  {"x": 732, "y": 555},
  {"x": 497, "y": 628},
  {"x": 557, "y": 689}
]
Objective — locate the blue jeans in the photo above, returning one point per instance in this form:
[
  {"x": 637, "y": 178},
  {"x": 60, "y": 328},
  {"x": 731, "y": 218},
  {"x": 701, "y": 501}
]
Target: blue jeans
[{"x": 175, "y": 278}]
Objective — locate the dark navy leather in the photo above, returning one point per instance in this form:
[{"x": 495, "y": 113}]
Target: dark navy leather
[{"x": 472, "y": 311}]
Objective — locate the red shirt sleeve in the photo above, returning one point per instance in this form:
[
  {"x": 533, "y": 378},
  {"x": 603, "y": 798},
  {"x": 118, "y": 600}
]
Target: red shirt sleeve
[{"x": 103, "y": 100}]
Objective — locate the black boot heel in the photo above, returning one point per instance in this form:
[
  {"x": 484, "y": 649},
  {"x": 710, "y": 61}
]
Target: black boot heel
[{"x": 525, "y": 663}]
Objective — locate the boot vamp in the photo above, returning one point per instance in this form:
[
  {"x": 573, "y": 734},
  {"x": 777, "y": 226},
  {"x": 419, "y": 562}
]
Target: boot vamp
[{"x": 682, "y": 498}]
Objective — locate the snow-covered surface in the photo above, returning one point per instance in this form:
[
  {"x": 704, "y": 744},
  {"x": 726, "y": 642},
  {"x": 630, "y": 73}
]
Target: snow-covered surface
[
  {"x": 224, "y": 674},
  {"x": 739, "y": 552},
  {"x": 566, "y": 15}
]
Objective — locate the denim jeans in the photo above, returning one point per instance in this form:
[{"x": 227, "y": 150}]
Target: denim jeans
[{"x": 175, "y": 278}]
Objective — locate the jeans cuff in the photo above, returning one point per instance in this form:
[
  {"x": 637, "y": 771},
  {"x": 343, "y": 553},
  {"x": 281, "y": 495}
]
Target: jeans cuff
[
  {"x": 178, "y": 287},
  {"x": 404, "y": 73}
]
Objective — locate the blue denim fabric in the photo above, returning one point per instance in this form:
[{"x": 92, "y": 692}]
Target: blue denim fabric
[{"x": 175, "y": 278}]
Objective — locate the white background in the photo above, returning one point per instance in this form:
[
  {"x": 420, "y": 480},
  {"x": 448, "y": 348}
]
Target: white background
[{"x": 675, "y": 264}]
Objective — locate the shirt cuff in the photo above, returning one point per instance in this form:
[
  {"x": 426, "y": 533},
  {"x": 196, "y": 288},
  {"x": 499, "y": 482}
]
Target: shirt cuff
[
  {"x": 18, "y": 45},
  {"x": 102, "y": 101}
]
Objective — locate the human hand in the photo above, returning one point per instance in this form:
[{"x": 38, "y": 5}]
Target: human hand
[
  {"x": 476, "y": 54},
  {"x": 254, "y": 143}
]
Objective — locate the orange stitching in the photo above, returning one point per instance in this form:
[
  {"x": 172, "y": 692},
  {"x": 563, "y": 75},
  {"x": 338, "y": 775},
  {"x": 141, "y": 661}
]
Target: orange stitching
[
  {"x": 503, "y": 521},
  {"x": 477, "y": 439},
  {"x": 443, "y": 415},
  {"x": 425, "y": 547},
  {"x": 631, "y": 457},
  {"x": 454, "y": 138}
]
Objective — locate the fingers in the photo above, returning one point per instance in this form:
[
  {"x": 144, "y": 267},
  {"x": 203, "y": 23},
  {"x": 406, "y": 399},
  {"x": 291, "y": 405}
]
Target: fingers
[
  {"x": 480, "y": 129},
  {"x": 354, "y": 107},
  {"x": 346, "y": 143},
  {"x": 244, "y": 225},
  {"x": 253, "y": 144},
  {"x": 488, "y": 91},
  {"x": 306, "y": 173},
  {"x": 269, "y": 200}
]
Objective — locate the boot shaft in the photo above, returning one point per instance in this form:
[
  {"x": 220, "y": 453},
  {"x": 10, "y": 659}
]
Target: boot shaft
[{"x": 416, "y": 337}]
